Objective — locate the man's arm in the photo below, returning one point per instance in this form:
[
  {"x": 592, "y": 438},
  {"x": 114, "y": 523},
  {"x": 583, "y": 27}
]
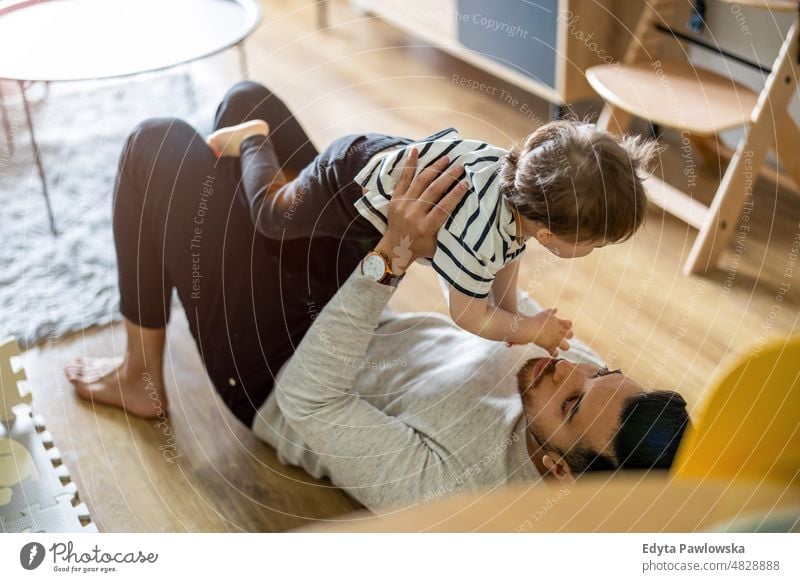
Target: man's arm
[{"x": 377, "y": 458}]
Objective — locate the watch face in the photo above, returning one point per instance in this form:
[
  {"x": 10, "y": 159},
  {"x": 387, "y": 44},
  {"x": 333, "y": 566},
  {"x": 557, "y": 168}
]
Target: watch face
[{"x": 374, "y": 267}]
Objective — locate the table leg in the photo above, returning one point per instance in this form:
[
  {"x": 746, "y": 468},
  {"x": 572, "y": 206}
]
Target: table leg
[
  {"x": 6, "y": 124},
  {"x": 242, "y": 60},
  {"x": 188, "y": 89},
  {"x": 323, "y": 14},
  {"x": 560, "y": 111},
  {"x": 37, "y": 159},
  {"x": 557, "y": 111}
]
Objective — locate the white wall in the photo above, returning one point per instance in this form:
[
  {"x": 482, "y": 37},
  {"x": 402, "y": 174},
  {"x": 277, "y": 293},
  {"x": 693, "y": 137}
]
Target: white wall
[{"x": 753, "y": 33}]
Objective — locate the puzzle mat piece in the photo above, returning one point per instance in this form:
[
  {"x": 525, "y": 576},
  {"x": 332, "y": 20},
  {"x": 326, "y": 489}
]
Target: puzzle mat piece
[
  {"x": 12, "y": 385},
  {"x": 53, "y": 518},
  {"x": 34, "y": 484}
]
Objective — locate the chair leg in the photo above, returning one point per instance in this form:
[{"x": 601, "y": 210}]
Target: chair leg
[
  {"x": 37, "y": 160},
  {"x": 734, "y": 190},
  {"x": 723, "y": 154},
  {"x": 707, "y": 149},
  {"x": 188, "y": 89},
  {"x": 737, "y": 183},
  {"x": 787, "y": 147},
  {"x": 323, "y": 14},
  {"x": 558, "y": 111},
  {"x": 614, "y": 119},
  {"x": 9, "y": 133},
  {"x": 242, "y": 60}
]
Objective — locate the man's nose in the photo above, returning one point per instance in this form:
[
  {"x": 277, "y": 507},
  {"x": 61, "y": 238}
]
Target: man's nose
[{"x": 564, "y": 370}]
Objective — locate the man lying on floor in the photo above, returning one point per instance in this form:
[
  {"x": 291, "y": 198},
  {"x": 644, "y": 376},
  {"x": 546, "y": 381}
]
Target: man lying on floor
[{"x": 403, "y": 408}]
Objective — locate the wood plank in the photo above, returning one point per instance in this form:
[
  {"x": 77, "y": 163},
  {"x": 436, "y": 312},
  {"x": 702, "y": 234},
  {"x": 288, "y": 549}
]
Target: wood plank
[
  {"x": 787, "y": 147},
  {"x": 590, "y": 33},
  {"x": 714, "y": 151},
  {"x": 432, "y": 19},
  {"x": 776, "y": 5},
  {"x": 650, "y": 504},
  {"x": 676, "y": 202},
  {"x": 677, "y": 95}
]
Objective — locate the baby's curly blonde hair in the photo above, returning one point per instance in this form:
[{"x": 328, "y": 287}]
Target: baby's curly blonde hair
[{"x": 581, "y": 183}]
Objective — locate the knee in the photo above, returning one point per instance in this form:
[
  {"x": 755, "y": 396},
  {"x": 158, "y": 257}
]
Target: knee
[
  {"x": 245, "y": 96},
  {"x": 157, "y": 136},
  {"x": 157, "y": 131},
  {"x": 156, "y": 147}
]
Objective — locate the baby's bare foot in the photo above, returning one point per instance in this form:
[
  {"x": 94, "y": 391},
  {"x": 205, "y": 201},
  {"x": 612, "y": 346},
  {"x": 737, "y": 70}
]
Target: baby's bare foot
[
  {"x": 227, "y": 141},
  {"x": 108, "y": 381}
]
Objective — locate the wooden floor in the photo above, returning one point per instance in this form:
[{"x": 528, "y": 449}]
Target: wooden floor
[{"x": 630, "y": 302}]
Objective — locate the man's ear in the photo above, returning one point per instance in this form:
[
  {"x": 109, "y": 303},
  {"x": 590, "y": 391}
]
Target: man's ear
[
  {"x": 544, "y": 236},
  {"x": 558, "y": 468}
]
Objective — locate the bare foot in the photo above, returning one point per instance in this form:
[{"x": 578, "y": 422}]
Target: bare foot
[
  {"x": 108, "y": 381},
  {"x": 227, "y": 141}
]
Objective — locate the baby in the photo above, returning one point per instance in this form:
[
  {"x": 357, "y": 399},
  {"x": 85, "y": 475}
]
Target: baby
[{"x": 568, "y": 185}]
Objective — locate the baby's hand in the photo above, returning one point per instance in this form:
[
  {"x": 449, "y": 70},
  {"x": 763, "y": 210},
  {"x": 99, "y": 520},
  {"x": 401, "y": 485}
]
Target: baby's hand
[{"x": 548, "y": 331}]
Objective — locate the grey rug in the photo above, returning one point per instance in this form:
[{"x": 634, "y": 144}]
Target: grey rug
[{"x": 49, "y": 286}]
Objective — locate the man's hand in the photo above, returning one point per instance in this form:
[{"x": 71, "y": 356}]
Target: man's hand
[{"x": 417, "y": 211}]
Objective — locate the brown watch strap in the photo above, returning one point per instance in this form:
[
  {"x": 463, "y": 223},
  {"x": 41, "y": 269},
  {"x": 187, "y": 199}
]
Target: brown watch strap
[{"x": 389, "y": 278}]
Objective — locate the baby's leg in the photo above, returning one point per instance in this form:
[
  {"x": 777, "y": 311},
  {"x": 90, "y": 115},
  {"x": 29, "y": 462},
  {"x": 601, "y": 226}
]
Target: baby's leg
[
  {"x": 227, "y": 141},
  {"x": 247, "y": 101},
  {"x": 315, "y": 194}
]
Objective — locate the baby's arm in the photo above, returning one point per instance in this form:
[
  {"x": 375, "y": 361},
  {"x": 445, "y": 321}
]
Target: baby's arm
[
  {"x": 504, "y": 287},
  {"x": 479, "y": 317}
]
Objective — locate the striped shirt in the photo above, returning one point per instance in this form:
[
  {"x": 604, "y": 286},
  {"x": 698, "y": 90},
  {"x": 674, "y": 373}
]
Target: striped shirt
[{"x": 479, "y": 237}]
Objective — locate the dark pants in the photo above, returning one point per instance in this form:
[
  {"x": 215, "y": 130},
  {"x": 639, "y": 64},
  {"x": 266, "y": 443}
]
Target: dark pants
[{"x": 182, "y": 221}]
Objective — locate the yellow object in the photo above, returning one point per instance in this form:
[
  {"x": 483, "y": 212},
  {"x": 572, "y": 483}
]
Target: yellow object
[
  {"x": 16, "y": 465},
  {"x": 12, "y": 379},
  {"x": 749, "y": 427}
]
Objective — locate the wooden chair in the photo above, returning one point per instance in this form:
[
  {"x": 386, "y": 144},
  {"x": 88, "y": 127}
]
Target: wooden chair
[{"x": 654, "y": 82}]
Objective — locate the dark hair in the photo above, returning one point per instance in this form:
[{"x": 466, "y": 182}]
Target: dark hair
[
  {"x": 652, "y": 425},
  {"x": 582, "y": 459},
  {"x": 578, "y": 181}
]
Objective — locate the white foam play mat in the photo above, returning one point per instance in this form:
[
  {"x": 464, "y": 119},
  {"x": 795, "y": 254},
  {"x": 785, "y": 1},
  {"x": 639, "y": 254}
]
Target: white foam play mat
[{"x": 36, "y": 491}]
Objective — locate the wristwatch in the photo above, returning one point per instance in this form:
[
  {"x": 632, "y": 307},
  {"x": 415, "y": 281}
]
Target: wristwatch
[{"x": 376, "y": 266}]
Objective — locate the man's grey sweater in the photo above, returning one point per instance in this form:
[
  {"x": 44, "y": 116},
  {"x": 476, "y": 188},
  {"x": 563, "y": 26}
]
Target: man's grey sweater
[{"x": 400, "y": 408}]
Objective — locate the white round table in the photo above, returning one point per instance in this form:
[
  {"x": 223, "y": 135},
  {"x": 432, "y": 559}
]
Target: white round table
[{"x": 80, "y": 40}]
